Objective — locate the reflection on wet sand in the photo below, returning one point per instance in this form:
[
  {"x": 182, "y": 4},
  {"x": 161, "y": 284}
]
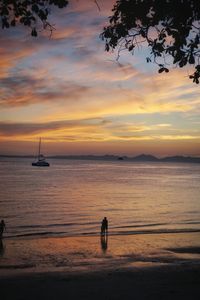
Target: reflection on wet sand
[
  {"x": 77, "y": 254},
  {"x": 2, "y": 249},
  {"x": 104, "y": 242}
]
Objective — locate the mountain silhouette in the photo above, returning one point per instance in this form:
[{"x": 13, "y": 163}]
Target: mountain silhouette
[{"x": 108, "y": 157}]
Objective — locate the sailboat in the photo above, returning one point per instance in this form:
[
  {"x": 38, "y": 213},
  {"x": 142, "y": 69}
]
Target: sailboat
[{"x": 41, "y": 162}]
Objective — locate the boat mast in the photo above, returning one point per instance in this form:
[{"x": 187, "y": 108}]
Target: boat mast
[{"x": 39, "y": 148}]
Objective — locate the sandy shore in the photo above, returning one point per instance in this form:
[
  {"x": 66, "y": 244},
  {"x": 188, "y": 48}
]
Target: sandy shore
[
  {"x": 126, "y": 267},
  {"x": 169, "y": 282}
]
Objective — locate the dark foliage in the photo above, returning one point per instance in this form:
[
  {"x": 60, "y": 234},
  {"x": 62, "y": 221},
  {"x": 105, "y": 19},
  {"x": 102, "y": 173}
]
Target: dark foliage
[
  {"x": 170, "y": 28},
  {"x": 28, "y": 13}
]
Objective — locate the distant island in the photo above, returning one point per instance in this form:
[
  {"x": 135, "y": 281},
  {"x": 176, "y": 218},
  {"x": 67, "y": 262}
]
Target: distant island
[{"x": 138, "y": 158}]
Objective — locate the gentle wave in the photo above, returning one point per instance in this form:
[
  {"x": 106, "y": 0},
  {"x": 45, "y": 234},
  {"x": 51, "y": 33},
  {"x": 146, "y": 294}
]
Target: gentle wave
[
  {"x": 95, "y": 233},
  {"x": 142, "y": 225},
  {"x": 55, "y": 225},
  {"x": 35, "y": 234},
  {"x": 72, "y": 197}
]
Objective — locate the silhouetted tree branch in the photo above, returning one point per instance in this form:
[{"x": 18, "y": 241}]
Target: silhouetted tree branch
[
  {"x": 170, "y": 29},
  {"x": 28, "y": 13}
]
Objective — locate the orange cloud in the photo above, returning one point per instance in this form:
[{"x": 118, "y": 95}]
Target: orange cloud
[{"x": 58, "y": 87}]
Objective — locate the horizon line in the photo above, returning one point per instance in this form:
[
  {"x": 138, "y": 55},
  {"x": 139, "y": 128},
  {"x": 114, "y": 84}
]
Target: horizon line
[{"x": 103, "y": 155}]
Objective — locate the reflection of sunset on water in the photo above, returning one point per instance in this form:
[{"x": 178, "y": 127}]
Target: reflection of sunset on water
[
  {"x": 76, "y": 254},
  {"x": 71, "y": 197}
]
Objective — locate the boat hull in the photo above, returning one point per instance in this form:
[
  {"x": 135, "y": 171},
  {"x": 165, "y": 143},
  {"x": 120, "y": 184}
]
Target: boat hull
[{"x": 40, "y": 164}]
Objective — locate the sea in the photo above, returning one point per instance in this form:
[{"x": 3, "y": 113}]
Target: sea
[
  {"x": 71, "y": 197},
  {"x": 53, "y": 215}
]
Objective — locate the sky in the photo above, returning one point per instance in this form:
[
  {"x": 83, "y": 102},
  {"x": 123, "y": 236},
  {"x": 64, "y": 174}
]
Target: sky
[{"x": 81, "y": 100}]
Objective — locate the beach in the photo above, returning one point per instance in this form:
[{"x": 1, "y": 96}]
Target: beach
[
  {"x": 159, "y": 266},
  {"x": 52, "y": 248}
]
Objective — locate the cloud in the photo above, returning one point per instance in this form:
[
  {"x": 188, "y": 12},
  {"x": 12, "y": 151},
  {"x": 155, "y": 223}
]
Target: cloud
[
  {"x": 91, "y": 129},
  {"x": 69, "y": 88},
  {"x": 20, "y": 90},
  {"x": 22, "y": 129},
  {"x": 179, "y": 137},
  {"x": 10, "y": 55},
  {"x": 163, "y": 125}
]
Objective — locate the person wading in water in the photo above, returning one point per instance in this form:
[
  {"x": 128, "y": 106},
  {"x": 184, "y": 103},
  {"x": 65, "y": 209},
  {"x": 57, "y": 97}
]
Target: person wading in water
[{"x": 104, "y": 226}]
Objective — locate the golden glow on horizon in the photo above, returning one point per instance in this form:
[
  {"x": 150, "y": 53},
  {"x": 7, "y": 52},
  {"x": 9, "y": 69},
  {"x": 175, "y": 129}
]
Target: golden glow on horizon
[{"x": 69, "y": 90}]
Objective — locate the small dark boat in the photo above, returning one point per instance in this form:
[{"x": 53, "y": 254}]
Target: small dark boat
[
  {"x": 41, "y": 162},
  {"x": 120, "y": 158}
]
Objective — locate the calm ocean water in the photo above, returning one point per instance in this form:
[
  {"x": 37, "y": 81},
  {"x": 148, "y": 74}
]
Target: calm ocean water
[{"x": 72, "y": 196}]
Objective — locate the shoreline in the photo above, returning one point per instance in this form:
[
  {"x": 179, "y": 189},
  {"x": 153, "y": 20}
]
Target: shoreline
[
  {"x": 142, "y": 267},
  {"x": 96, "y": 253},
  {"x": 56, "y": 235}
]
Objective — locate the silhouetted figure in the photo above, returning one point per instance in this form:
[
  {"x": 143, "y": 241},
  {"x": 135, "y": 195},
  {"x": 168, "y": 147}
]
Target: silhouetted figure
[
  {"x": 104, "y": 242},
  {"x": 104, "y": 226},
  {"x": 2, "y": 228}
]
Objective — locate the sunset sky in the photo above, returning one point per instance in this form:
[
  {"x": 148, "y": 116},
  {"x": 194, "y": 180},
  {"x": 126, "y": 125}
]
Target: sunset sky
[{"x": 80, "y": 100}]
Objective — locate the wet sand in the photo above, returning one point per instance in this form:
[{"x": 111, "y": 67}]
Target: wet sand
[
  {"x": 154, "y": 283},
  {"x": 123, "y": 267}
]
